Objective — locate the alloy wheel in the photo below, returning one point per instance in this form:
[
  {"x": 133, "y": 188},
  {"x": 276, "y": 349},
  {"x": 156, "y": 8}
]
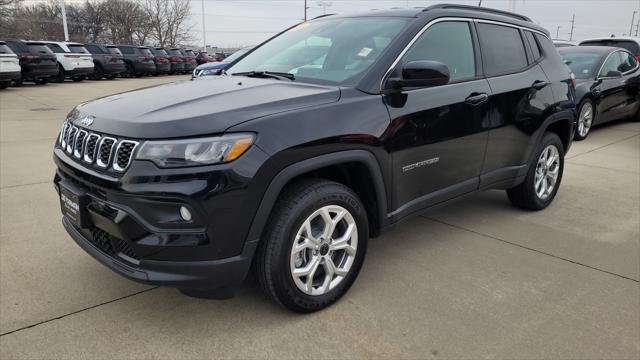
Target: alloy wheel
[
  {"x": 323, "y": 250},
  {"x": 547, "y": 170},
  {"x": 585, "y": 119}
]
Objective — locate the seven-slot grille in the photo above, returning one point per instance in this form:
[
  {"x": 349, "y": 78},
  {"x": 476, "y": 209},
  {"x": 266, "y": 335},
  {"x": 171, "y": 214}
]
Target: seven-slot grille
[{"x": 97, "y": 149}]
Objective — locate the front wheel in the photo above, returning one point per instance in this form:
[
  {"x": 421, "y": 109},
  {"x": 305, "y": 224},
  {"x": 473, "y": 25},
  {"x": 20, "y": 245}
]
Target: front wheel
[
  {"x": 314, "y": 245},
  {"x": 586, "y": 115},
  {"x": 541, "y": 184}
]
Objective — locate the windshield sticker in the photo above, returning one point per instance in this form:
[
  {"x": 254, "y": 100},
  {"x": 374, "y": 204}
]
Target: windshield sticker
[{"x": 364, "y": 52}]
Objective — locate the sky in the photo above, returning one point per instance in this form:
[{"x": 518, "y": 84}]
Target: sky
[{"x": 236, "y": 23}]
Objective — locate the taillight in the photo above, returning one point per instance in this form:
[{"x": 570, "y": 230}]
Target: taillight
[
  {"x": 28, "y": 57},
  {"x": 573, "y": 80}
]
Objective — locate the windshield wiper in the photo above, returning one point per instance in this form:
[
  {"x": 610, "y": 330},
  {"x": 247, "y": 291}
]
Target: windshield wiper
[{"x": 267, "y": 74}]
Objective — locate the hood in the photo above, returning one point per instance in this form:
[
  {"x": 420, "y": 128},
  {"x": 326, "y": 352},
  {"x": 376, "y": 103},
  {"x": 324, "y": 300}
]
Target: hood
[
  {"x": 212, "y": 65},
  {"x": 195, "y": 108}
]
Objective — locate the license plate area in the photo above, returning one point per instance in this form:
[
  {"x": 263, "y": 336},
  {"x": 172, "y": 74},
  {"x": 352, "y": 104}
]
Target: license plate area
[{"x": 73, "y": 202}]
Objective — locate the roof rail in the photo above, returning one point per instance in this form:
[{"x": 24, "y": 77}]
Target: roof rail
[
  {"x": 478, "y": 8},
  {"x": 321, "y": 16}
]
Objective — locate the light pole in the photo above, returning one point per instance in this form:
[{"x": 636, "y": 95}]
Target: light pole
[
  {"x": 204, "y": 31},
  {"x": 558, "y": 32},
  {"x": 633, "y": 17},
  {"x": 64, "y": 20}
]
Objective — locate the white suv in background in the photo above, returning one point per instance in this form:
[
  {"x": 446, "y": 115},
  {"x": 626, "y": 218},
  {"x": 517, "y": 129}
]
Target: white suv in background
[
  {"x": 9, "y": 66},
  {"x": 74, "y": 60}
]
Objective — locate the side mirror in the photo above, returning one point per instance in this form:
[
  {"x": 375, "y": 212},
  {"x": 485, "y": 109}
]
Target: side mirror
[
  {"x": 422, "y": 73},
  {"x": 613, "y": 74}
]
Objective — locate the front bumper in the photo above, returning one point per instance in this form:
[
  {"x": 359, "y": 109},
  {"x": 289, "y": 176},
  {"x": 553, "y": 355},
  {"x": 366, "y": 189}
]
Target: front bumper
[{"x": 212, "y": 274}]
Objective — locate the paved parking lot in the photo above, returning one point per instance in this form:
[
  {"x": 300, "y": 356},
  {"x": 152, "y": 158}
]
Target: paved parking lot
[{"x": 478, "y": 279}]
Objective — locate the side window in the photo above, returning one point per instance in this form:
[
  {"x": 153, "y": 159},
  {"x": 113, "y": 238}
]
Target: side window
[
  {"x": 533, "y": 45},
  {"x": 612, "y": 63},
  {"x": 126, "y": 50},
  {"x": 502, "y": 49},
  {"x": 450, "y": 43},
  {"x": 93, "y": 49},
  {"x": 628, "y": 62}
]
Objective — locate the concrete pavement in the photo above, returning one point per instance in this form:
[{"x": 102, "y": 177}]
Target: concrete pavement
[{"x": 477, "y": 279}]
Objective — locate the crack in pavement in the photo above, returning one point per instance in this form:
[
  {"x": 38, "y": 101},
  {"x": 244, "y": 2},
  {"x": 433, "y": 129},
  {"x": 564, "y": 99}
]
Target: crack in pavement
[
  {"x": 78, "y": 311},
  {"x": 600, "y": 147},
  {"x": 529, "y": 248},
  {"x": 28, "y": 184}
]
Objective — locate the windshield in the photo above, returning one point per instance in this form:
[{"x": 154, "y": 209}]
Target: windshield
[
  {"x": 235, "y": 55},
  {"x": 114, "y": 50},
  {"x": 78, "y": 49},
  {"x": 4, "y": 49},
  {"x": 582, "y": 64},
  {"x": 329, "y": 51}
]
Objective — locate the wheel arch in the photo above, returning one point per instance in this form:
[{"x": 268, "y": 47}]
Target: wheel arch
[
  {"x": 329, "y": 166},
  {"x": 562, "y": 125}
]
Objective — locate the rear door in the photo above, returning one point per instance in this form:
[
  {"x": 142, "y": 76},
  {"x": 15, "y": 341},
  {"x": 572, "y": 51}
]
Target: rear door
[
  {"x": 521, "y": 97},
  {"x": 437, "y": 138}
]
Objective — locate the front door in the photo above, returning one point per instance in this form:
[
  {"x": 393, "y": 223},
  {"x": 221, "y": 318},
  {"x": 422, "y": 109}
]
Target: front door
[{"x": 436, "y": 136}]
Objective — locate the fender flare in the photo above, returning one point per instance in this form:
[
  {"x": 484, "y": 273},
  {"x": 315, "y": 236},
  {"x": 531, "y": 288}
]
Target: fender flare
[{"x": 278, "y": 183}]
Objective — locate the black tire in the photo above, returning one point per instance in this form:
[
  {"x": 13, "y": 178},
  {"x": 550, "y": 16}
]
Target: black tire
[
  {"x": 636, "y": 117},
  {"x": 524, "y": 195},
  {"x": 130, "y": 72},
  {"x": 18, "y": 82},
  {"x": 41, "y": 81},
  {"x": 110, "y": 76},
  {"x": 272, "y": 262},
  {"x": 586, "y": 102},
  {"x": 59, "y": 78},
  {"x": 4, "y": 84},
  {"x": 78, "y": 78},
  {"x": 98, "y": 73}
]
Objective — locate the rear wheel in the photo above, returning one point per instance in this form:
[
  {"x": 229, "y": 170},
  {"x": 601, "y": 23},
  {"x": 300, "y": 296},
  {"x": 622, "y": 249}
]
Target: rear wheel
[
  {"x": 129, "y": 73},
  {"x": 314, "y": 245},
  {"x": 4, "y": 84},
  {"x": 60, "y": 77},
  {"x": 18, "y": 83},
  {"x": 78, "y": 78},
  {"x": 98, "y": 73},
  {"x": 586, "y": 116},
  {"x": 543, "y": 178}
]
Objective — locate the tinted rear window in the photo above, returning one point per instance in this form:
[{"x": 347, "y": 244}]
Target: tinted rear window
[
  {"x": 533, "y": 45},
  {"x": 146, "y": 52},
  {"x": 114, "y": 50},
  {"x": 629, "y": 45},
  {"x": 175, "y": 52},
  {"x": 159, "y": 52},
  {"x": 190, "y": 53},
  {"x": 78, "y": 49},
  {"x": 127, "y": 50},
  {"x": 39, "y": 48},
  {"x": 4, "y": 49},
  {"x": 502, "y": 49},
  {"x": 56, "y": 48}
]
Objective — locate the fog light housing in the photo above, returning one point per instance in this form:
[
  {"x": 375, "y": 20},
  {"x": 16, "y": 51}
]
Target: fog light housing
[{"x": 185, "y": 214}]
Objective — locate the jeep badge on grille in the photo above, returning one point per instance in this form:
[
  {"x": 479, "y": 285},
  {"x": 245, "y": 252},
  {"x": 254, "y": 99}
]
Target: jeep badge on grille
[{"x": 87, "y": 120}]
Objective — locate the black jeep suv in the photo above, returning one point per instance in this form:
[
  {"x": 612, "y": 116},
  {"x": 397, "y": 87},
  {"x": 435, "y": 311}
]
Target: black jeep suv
[
  {"x": 310, "y": 144},
  {"x": 106, "y": 63}
]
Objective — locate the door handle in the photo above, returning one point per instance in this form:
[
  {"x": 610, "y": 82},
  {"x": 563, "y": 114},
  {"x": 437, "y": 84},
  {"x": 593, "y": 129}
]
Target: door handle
[
  {"x": 476, "y": 99},
  {"x": 539, "y": 84}
]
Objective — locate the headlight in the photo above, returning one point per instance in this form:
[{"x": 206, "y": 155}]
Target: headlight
[{"x": 194, "y": 152}]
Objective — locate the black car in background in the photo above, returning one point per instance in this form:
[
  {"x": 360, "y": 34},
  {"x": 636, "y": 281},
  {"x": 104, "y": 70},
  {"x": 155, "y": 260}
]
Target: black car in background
[
  {"x": 37, "y": 61},
  {"x": 106, "y": 63},
  {"x": 288, "y": 167},
  {"x": 631, "y": 44},
  {"x": 189, "y": 58},
  {"x": 161, "y": 58},
  {"x": 138, "y": 60},
  {"x": 203, "y": 57},
  {"x": 607, "y": 85},
  {"x": 177, "y": 60}
]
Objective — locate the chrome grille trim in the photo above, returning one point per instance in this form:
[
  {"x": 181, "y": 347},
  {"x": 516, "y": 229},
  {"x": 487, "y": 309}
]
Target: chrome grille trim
[
  {"x": 63, "y": 135},
  {"x": 90, "y": 158},
  {"x": 63, "y": 128},
  {"x": 71, "y": 139},
  {"x": 116, "y": 166},
  {"x": 99, "y": 161},
  {"x": 78, "y": 149}
]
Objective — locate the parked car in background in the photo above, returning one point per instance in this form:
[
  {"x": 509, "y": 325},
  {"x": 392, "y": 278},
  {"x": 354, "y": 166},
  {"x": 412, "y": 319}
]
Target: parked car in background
[
  {"x": 189, "y": 60},
  {"x": 105, "y": 63},
  {"x": 203, "y": 57},
  {"x": 194, "y": 183},
  {"x": 563, "y": 43},
  {"x": 138, "y": 60},
  {"x": 161, "y": 58},
  {"x": 37, "y": 62},
  {"x": 214, "y": 68},
  {"x": 177, "y": 60},
  {"x": 74, "y": 61},
  {"x": 631, "y": 44},
  {"x": 607, "y": 85},
  {"x": 9, "y": 66}
]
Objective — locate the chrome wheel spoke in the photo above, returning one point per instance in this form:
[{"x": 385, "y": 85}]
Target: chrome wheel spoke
[
  {"x": 333, "y": 246},
  {"x": 547, "y": 171}
]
